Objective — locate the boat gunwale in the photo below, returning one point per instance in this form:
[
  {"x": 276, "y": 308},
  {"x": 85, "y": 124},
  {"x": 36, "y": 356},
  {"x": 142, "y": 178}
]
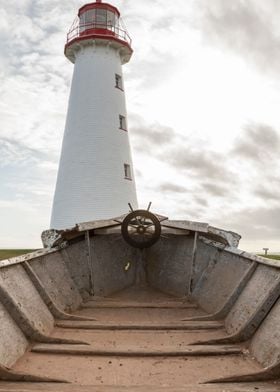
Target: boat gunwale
[
  {"x": 44, "y": 252},
  {"x": 29, "y": 256},
  {"x": 250, "y": 256}
]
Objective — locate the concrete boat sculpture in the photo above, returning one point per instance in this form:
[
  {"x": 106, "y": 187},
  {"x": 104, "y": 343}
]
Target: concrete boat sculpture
[{"x": 140, "y": 303}]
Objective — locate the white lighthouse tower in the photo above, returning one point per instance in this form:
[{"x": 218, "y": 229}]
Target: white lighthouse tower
[{"x": 95, "y": 178}]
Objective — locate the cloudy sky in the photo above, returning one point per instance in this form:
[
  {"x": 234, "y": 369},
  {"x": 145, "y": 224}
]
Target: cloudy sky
[{"x": 203, "y": 96}]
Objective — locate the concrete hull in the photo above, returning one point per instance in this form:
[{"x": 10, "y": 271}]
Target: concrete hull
[{"x": 143, "y": 329}]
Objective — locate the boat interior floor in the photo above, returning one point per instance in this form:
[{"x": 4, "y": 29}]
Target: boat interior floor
[{"x": 136, "y": 340}]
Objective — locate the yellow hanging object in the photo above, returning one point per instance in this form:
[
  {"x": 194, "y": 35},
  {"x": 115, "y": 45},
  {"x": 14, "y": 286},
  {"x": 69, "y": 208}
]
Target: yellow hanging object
[{"x": 126, "y": 268}]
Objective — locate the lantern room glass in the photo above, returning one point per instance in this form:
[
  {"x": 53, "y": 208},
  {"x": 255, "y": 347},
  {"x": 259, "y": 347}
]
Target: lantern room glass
[{"x": 98, "y": 18}]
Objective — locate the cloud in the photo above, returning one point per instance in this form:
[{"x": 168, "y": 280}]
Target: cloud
[
  {"x": 206, "y": 164},
  {"x": 259, "y": 143},
  {"x": 156, "y": 31},
  {"x": 257, "y": 224},
  {"x": 27, "y": 180},
  {"x": 267, "y": 194},
  {"x": 214, "y": 189},
  {"x": 150, "y": 137},
  {"x": 178, "y": 153},
  {"x": 248, "y": 28},
  {"x": 138, "y": 173},
  {"x": 169, "y": 187},
  {"x": 201, "y": 201},
  {"x": 15, "y": 153},
  {"x": 156, "y": 67}
]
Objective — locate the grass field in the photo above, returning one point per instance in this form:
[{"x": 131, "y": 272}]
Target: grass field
[
  {"x": 8, "y": 253},
  {"x": 273, "y": 257}
]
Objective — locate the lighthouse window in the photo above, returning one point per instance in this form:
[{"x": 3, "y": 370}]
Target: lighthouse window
[
  {"x": 89, "y": 17},
  {"x": 101, "y": 18},
  {"x": 110, "y": 20},
  {"x": 127, "y": 172},
  {"x": 119, "y": 82},
  {"x": 82, "y": 23},
  {"x": 122, "y": 123}
]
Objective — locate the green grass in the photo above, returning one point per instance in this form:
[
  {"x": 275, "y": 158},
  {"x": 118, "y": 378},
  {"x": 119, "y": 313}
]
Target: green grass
[
  {"x": 8, "y": 253},
  {"x": 273, "y": 257}
]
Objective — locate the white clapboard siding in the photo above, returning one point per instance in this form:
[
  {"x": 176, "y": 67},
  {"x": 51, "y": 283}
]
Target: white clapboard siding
[{"x": 91, "y": 181}]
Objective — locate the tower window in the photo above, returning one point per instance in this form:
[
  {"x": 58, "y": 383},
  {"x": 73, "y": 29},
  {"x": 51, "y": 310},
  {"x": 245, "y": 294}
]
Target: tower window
[
  {"x": 119, "y": 83},
  {"x": 122, "y": 123},
  {"x": 127, "y": 172}
]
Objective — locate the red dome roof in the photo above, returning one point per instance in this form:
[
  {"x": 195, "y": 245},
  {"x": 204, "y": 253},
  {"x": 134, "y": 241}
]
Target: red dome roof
[{"x": 100, "y": 5}]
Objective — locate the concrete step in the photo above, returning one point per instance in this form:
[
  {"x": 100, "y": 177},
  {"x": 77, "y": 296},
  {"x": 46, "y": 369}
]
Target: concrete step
[
  {"x": 137, "y": 352},
  {"x": 130, "y": 339},
  {"x": 183, "y": 326},
  {"x": 135, "y": 305},
  {"x": 136, "y": 314},
  {"x": 24, "y": 387},
  {"x": 131, "y": 371},
  {"x": 137, "y": 343}
]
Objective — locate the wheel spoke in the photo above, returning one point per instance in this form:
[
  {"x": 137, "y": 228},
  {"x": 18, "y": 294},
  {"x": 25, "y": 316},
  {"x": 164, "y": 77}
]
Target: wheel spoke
[{"x": 150, "y": 225}]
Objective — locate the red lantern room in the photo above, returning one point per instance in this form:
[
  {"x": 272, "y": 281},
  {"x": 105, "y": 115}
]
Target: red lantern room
[{"x": 98, "y": 23}]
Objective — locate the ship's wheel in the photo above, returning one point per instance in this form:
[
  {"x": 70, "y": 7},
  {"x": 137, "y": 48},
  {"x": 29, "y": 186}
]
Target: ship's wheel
[{"x": 141, "y": 229}]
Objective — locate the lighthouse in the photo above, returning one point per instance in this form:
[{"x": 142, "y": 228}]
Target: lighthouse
[{"x": 95, "y": 177}]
